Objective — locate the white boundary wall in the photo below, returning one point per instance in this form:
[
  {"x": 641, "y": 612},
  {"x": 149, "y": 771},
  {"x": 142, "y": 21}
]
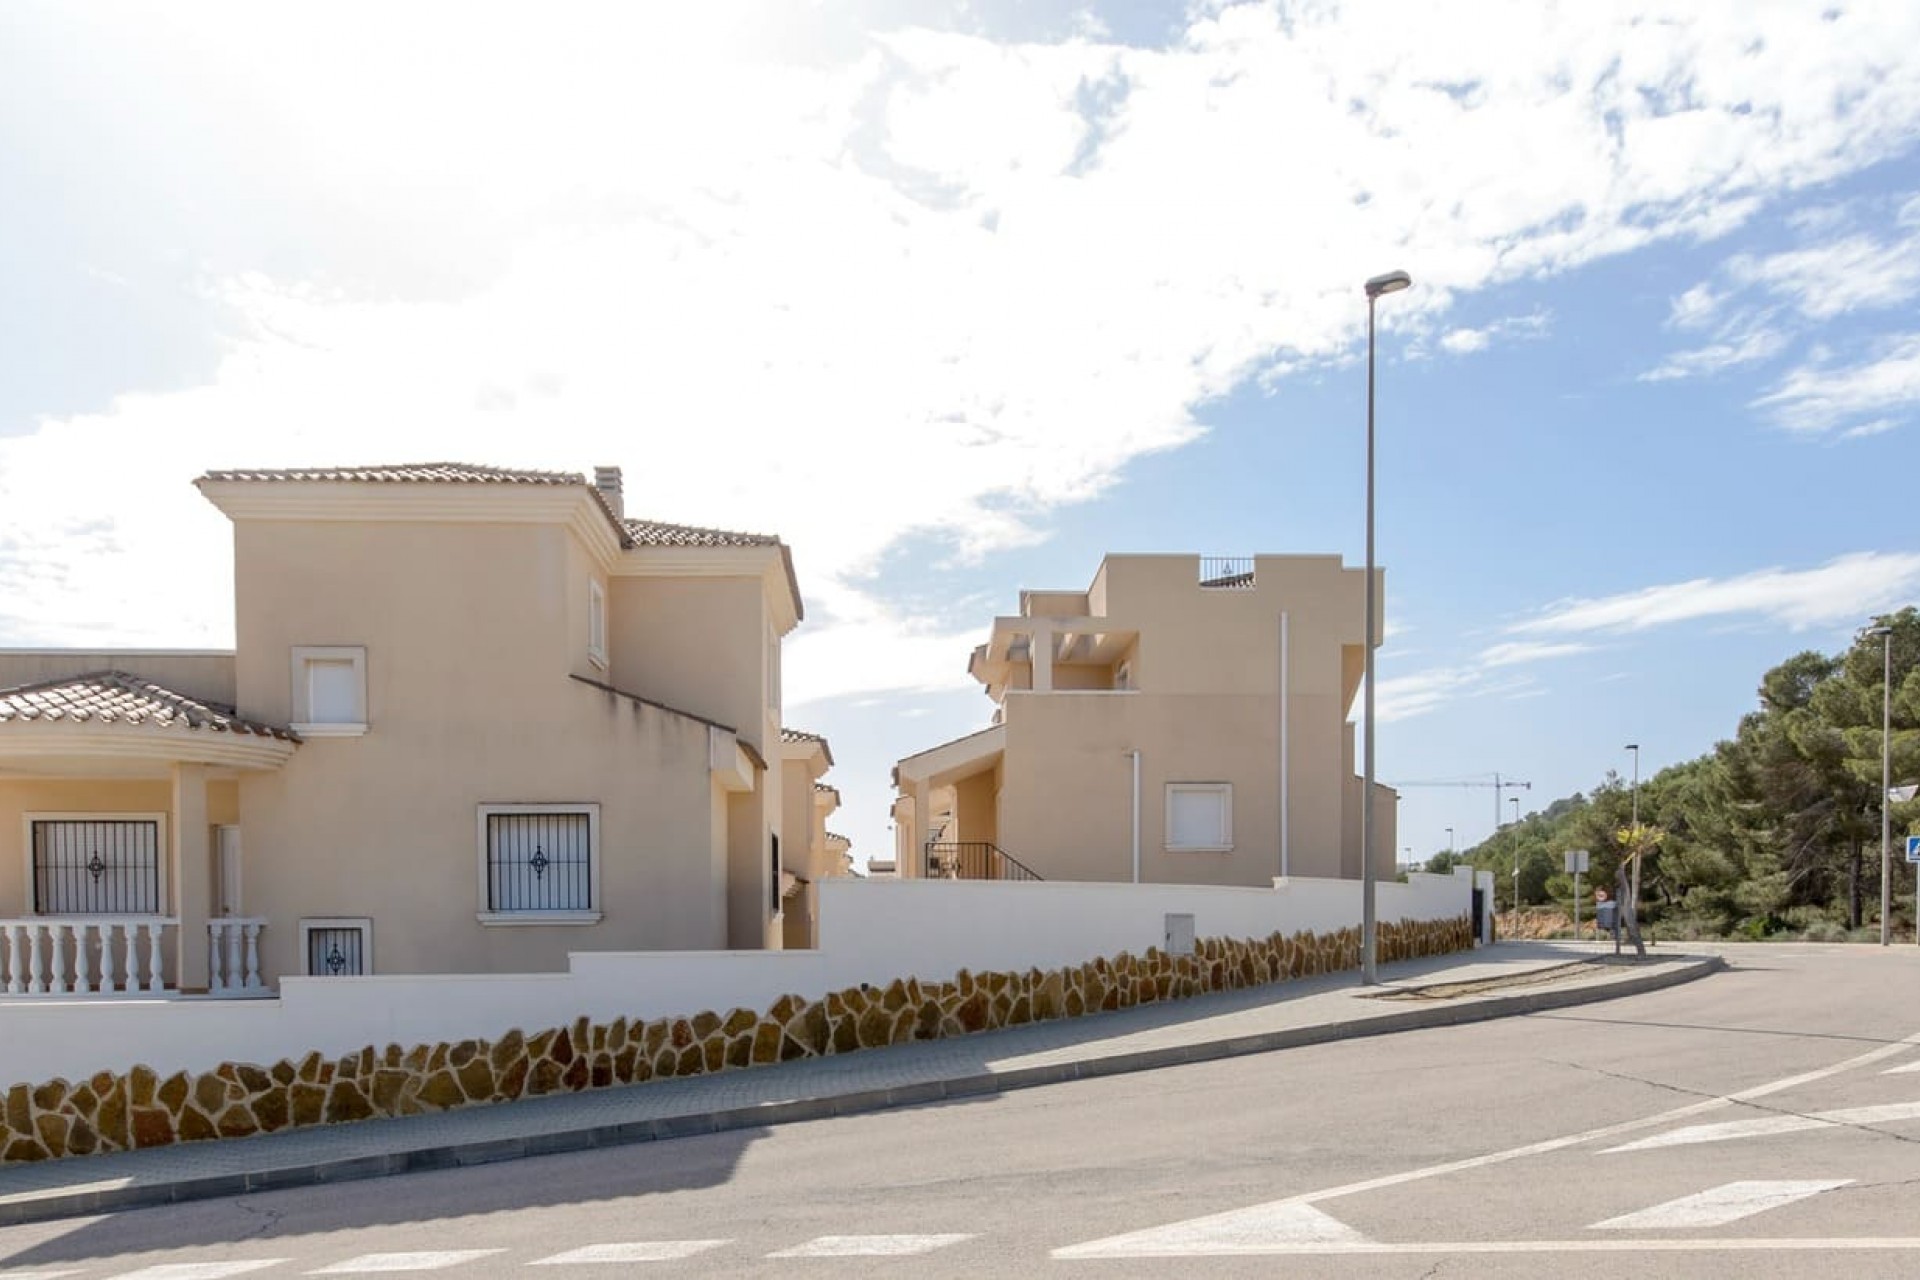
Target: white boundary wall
[{"x": 871, "y": 931}]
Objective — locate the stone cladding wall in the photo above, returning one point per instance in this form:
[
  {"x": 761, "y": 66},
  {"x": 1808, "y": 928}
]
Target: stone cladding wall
[{"x": 121, "y": 1112}]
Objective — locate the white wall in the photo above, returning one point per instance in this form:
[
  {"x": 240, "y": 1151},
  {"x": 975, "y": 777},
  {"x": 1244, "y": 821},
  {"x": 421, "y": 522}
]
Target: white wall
[{"x": 871, "y": 931}]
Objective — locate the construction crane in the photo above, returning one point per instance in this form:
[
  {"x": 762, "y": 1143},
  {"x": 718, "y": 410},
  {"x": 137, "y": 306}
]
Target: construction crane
[{"x": 1500, "y": 786}]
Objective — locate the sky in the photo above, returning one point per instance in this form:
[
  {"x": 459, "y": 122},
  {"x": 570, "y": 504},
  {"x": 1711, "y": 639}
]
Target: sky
[{"x": 989, "y": 290}]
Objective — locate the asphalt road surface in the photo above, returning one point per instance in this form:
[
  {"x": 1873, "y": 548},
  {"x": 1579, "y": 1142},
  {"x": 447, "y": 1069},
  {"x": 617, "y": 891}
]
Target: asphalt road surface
[{"x": 1761, "y": 1122}]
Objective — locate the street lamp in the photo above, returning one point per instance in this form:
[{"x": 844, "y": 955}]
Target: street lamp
[
  {"x": 1515, "y": 801},
  {"x": 1391, "y": 282},
  {"x": 1886, "y": 779},
  {"x": 1635, "y": 748},
  {"x": 1449, "y": 839}
]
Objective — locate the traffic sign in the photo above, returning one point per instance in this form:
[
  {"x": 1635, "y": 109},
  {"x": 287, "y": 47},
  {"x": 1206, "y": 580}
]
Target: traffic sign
[
  {"x": 1913, "y": 848},
  {"x": 1577, "y": 863}
]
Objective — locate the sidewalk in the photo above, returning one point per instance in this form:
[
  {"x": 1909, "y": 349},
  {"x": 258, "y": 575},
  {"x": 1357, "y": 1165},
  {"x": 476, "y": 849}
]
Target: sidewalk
[{"x": 1506, "y": 979}]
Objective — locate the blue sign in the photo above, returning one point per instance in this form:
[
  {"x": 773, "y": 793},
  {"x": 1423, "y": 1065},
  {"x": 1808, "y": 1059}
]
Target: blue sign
[{"x": 1913, "y": 848}]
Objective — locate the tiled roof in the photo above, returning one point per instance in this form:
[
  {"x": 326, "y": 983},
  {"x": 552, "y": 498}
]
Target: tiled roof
[
  {"x": 826, "y": 786},
  {"x": 835, "y": 835},
  {"x": 654, "y": 533},
  {"x": 799, "y": 735},
  {"x": 412, "y": 472},
  {"x": 116, "y": 697}
]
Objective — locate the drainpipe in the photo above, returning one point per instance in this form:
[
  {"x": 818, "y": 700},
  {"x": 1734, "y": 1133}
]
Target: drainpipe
[
  {"x": 1135, "y": 755},
  {"x": 1285, "y": 860}
]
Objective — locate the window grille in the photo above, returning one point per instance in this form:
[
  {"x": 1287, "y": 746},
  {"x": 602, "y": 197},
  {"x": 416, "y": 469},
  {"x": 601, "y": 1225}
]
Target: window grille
[
  {"x": 336, "y": 951},
  {"x": 96, "y": 867},
  {"x": 539, "y": 862}
]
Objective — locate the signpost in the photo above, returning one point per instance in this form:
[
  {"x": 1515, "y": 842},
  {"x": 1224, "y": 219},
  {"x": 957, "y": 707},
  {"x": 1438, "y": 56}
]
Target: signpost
[
  {"x": 1913, "y": 856},
  {"x": 1577, "y": 864}
]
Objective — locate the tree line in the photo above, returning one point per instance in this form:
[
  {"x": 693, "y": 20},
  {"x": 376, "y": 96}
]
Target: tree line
[{"x": 1774, "y": 831}]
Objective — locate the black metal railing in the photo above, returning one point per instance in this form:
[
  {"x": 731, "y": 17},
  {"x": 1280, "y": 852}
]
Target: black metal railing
[
  {"x": 975, "y": 860},
  {"x": 1232, "y": 573}
]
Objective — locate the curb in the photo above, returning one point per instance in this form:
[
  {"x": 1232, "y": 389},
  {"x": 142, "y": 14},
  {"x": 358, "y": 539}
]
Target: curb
[{"x": 32, "y": 1207}]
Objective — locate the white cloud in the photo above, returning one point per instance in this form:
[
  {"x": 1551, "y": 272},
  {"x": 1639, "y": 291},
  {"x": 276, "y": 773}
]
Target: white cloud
[
  {"x": 1853, "y": 273},
  {"x": 1845, "y": 589},
  {"x": 1821, "y": 396},
  {"x": 1754, "y": 345},
  {"x": 1487, "y": 674},
  {"x": 857, "y": 287},
  {"x": 1694, "y": 308},
  {"x": 1466, "y": 341}
]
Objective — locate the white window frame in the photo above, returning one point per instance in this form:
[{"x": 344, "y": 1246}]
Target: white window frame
[
  {"x": 596, "y": 623},
  {"x": 309, "y": 924},
  {"x": 303, "y": 721},
  {"x": 1224, "y": 790},
  {"x": 591, "y": 915},
  {"x": 164, "y": 853}
]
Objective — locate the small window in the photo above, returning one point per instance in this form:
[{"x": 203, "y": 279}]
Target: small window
[
  {"x": 337, "y": 947},
  {"x": 329, "y": 690},
  {"x": 597, "y": 624},
  {"x": 539, "y": 863},
  {"x": 774, "y": 874},
  {"x": 1200, "y": 816}
]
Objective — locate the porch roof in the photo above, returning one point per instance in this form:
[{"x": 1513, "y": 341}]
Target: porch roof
[{"x": 119, "y": 715}]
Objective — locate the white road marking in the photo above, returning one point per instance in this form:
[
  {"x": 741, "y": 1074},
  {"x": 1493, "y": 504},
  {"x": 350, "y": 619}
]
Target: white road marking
[
  {"x": 1702, "y": 1107},
  {"x": 1766, "y": 1126},
  {"x": 869, "y": 1246},
  {"x": 1718, "y": 1206},
  {"x": 1851, "y": 1244},
  {"x": 1266, "y": 1228},
  {"x": 427, "y": 1260},
  {"x": 198, "y": 1270},
  {"x": 1905, "y": 1066},
  {"x": 35, "y": 1275},
  {"x": 637, "y": 1251}
]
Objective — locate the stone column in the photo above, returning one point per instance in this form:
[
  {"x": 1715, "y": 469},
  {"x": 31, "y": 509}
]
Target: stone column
[{"x": 192, "y": 873}]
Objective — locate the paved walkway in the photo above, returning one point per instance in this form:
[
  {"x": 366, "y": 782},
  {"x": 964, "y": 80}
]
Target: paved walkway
[{"x": 1506, "y": 979}]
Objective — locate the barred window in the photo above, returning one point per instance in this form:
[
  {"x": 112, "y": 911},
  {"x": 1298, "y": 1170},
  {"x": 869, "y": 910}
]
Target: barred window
[
  {"x": 96, "y": 866},
  {"x": 540, "y": 863},
  {"x": 337, "y": 947}
]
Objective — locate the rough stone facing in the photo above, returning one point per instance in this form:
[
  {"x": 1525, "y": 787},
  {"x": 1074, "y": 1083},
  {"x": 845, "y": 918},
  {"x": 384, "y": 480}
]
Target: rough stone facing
[{"x": 108, "y": 1112}]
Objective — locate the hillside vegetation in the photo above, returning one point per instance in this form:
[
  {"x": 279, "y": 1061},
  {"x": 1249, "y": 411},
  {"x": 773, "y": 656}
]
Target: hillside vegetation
[{"x": 1775, "y": 831}]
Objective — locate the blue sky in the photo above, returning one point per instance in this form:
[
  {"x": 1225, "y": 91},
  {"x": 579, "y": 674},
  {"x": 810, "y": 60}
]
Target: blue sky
[{"x": 992, "y": 290}]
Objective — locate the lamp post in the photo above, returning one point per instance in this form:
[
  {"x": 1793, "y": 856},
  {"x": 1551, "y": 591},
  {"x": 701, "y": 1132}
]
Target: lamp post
[
  {"x": 1635, "y": 748},
  {"x": 1391, "y": 282},
  {"x": 1449, "y": 839},
  {"x": 1515, "y": 801},
  {"x": 1886, "y": 780}
]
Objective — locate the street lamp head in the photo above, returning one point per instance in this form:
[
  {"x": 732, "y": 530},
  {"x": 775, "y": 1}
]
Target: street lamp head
[
  {"x": 1879, "y": 631},
  {"x": 1391, "y": 282}
]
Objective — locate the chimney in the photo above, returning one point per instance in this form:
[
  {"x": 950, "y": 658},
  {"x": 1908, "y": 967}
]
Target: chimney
[{"x": 607, "y": 481}]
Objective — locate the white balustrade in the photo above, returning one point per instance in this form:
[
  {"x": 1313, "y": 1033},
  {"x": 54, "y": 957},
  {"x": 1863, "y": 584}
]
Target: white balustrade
[
  {"x": 233, "y": 956},
  {"x": 53, "y": 955}
]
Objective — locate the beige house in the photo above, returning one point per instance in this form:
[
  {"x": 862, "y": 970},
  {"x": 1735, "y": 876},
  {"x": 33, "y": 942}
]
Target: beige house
[
  {"x": 474, "y": 719},
  {"x": 810, "y": 852},
  {"x": 1182, "y": 720}
]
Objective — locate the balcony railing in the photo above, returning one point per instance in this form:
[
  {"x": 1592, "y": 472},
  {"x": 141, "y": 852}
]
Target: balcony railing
[
  {"x": 233, "y": 956},
  {"x": 975, "y": 860},
  {"x": 83, "y": 955},
  {"x": 1226, "y": 573}
]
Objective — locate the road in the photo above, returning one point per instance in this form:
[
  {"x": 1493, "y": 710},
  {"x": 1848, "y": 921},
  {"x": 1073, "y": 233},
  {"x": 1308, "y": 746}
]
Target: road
[{"x": 1762, "y": 1122}]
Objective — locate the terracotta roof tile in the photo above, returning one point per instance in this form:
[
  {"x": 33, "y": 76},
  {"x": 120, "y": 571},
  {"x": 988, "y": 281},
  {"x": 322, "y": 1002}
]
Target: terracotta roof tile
[
  {"x": 404, "y": 473},
  {"x": 654, "y": 533},
  {"x": 117, "y": 697},
  {"x": 799, "y": 735}
]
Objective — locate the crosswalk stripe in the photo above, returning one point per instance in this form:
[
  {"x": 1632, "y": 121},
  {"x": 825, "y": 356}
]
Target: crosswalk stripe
[
  {"x": 1766, "y": 1126},
  {"x": 428, "y": 1260},
  {"x": 1903, "y": 1067},
  {"x": 1284, "y": 1226},
  {"x": 1718, "y": 1206},
  {"x": 869, "y": 1246},
  {"x": 635, "y": 1251},
  {"x": 198, "y": 1270}
]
